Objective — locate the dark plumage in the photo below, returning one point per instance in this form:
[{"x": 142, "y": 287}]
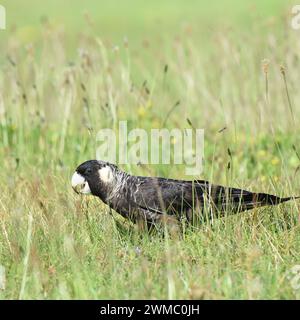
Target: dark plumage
[{"x": 149, "y": 198}]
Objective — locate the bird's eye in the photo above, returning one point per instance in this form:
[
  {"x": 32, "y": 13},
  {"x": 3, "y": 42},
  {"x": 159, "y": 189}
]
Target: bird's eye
[{"x": 88, "y": 171}]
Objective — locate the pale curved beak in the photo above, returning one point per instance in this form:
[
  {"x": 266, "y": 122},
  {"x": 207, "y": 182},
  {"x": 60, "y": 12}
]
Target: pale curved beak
[{"x": 79, "y": 184}]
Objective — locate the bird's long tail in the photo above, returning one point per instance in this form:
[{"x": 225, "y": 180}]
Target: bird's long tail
[
  {"x": 240, "y": 200},
  {"x": 261, "y": 199}
]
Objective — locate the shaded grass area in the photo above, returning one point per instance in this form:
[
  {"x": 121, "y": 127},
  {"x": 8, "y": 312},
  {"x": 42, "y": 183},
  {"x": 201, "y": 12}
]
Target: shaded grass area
[{"x": 238, "y": 81}]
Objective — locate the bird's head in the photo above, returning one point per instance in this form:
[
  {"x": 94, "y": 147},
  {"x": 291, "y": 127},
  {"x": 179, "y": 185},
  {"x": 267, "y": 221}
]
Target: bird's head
[{"x": 93, "y": 177}]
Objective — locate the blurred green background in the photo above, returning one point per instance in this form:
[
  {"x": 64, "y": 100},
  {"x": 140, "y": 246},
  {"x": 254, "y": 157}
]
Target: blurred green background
[{"x": 139, "y": 20}]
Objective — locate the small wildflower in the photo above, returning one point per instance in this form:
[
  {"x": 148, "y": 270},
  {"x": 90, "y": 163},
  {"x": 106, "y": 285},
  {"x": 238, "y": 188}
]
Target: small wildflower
[
  {"x": 274, "y": 161},
  {"x": 141, "y": 111},
  {"x": 261, "y": 153}
]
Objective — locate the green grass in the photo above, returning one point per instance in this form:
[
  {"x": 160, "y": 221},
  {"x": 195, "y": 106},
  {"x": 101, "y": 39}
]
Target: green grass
[{"x": 65, "y": 78}]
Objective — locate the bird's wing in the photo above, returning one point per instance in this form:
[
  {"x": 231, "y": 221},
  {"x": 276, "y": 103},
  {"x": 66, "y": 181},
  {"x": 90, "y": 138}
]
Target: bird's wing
[{"x": 175, "y": 196}]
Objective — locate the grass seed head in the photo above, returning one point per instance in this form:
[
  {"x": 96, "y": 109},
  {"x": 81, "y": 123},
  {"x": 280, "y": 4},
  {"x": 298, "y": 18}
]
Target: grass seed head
[{"x": 265, "y": 65}]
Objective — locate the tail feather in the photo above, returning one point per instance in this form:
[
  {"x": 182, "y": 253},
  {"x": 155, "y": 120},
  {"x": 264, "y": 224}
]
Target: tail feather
[
  {"x": 239, "y": 200},
  {"x": 263, "y": 199}
]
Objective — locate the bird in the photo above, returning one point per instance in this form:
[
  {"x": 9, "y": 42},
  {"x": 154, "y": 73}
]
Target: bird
[{"x": 151, "y": 199}]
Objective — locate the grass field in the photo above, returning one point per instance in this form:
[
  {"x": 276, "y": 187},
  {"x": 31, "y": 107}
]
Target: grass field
[{"x": 68, "y": 70}]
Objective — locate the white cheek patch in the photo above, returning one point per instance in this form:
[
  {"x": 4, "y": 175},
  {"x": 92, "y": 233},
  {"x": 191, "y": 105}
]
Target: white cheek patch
[{"x": 106, "y": 174}]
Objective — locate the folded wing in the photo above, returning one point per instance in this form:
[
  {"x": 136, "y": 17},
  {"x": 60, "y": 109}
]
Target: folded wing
[{"x": 178, "y": 196}]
